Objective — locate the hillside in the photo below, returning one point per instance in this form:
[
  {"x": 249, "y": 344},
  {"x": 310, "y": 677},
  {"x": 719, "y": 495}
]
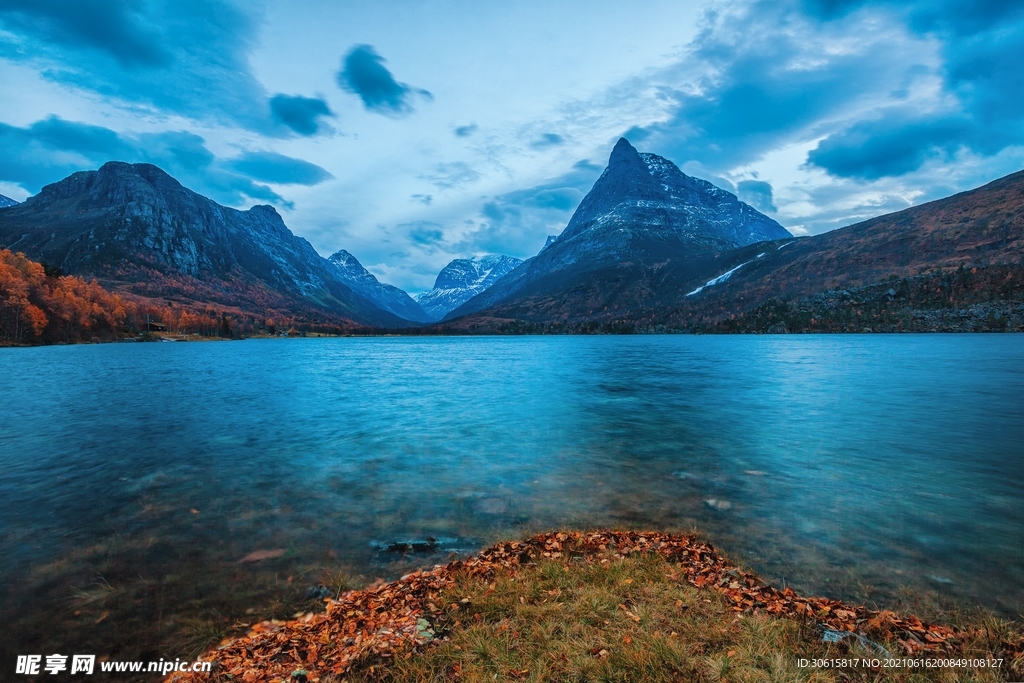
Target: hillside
[
  {"x": 922, "y": 252},
  {"x": 138, "y": 230}
]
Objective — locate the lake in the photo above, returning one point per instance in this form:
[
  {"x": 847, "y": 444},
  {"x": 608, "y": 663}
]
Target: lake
[{"x": 884, "y": 469}]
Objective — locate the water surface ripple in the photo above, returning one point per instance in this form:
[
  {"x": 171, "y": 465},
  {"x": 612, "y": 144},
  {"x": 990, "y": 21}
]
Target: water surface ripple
[{"x": 851, "y": 466}]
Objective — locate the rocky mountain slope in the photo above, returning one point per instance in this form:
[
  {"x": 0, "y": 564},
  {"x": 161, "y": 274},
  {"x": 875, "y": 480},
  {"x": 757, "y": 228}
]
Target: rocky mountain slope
[
  {"x": 952, "y": 264},
  {"x": 642, "y": 209},
  {"x": 137, "y": 229},
  {"x": 6, "y": 201},
  {"x": 346, "y": 268},
  {"x": 461, "y": 280}
]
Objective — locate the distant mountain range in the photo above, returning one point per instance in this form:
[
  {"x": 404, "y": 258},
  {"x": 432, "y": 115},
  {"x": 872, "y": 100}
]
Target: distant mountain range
[
  {"x": 650, "y": 249},
  {"x": 461, "y": 280},
  {"x": 138, "y": 230},
  {"x": 6, "y": 201}
]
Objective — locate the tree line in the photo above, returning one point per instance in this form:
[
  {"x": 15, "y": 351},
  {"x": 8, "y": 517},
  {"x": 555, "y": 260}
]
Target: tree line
[{"x": 41, "y": 305}]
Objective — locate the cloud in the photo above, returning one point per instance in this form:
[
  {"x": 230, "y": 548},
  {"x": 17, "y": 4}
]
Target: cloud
[
  {"x": 53, "y": 148},
  {"x": 118, "y": 29},
  {"x": 979, "y": 105},
  {"x": 424, "y": 199},
  {"x": 547, "y": 140},
  {"x": 763, "y": 75},
  {"x": 301, "y": 114},
  {"x": 189, "y": 57},
  {"x": 466, "y": 131},
  {"x": 893, "y": 145},
  {"x": 363, "y": 73},
  {"x": 451, "y": 175},
  {"x": 425, "y": 233},
  {"x": 56, "y": 133},
  {"x": 958, "y": 17},
  {"x": 758, "y": 194},
  {"x": 271, "y": 167}
]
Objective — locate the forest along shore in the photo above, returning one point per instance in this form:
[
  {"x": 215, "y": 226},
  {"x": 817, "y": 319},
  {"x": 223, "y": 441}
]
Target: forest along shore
[{"x": 608, "y": 604}]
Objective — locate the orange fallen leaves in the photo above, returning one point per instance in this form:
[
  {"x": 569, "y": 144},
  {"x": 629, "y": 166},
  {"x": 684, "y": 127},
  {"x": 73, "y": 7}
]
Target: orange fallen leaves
[{"x": 391, "y": 618}]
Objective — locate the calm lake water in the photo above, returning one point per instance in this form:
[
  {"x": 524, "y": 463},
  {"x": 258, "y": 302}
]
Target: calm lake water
[{"x": 136, "y": 476}]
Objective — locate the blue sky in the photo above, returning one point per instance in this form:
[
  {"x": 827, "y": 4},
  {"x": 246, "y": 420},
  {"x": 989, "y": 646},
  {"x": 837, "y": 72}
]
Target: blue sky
[{"x": 414, "y": 133}]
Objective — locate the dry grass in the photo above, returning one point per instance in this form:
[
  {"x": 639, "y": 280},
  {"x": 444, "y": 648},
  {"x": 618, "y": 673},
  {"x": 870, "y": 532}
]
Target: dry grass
[{"x": 624, "y": 620}]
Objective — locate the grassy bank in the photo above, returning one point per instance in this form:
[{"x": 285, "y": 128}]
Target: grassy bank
[{"x": 608, "y": 606}]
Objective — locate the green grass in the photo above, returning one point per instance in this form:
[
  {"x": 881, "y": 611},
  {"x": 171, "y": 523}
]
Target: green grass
[{"x": 626, "y": 620}]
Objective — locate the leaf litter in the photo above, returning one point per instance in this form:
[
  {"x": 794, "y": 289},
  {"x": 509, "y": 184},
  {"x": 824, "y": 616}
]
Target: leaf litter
[{"x": 393, "y": 619}]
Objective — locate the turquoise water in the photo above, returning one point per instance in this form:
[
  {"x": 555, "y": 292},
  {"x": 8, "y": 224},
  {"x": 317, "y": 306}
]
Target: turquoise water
[{"x": 855, "y": 466}]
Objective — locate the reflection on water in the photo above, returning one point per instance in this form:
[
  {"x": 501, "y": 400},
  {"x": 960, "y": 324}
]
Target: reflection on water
[{"x": 842, "y": 465}]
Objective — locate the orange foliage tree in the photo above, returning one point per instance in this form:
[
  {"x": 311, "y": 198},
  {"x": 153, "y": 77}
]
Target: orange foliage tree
[{"x": 36, "y": 308}]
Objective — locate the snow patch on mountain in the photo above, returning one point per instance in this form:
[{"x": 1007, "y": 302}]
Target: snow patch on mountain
[{"x": 724, "y": 276}]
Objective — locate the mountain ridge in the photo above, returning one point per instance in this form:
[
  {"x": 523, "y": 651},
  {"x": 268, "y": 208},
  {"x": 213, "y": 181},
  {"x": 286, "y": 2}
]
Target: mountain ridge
[
  {"x": 969, "y": 246},
  {"x": 136, "y": 228},
  {"x": 387, "y": 297},
  {"x": 641, "y": 208}
]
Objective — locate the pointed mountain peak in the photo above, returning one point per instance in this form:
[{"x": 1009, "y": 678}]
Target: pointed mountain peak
[
  {"x": 646, "y": 193},
  {"x": 623, "y": 154},
  {"x": 343, "y": 257}
]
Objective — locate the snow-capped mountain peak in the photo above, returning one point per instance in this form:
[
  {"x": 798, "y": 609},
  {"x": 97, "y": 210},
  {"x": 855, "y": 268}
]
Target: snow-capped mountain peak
[{"x": 463, "y": 279}]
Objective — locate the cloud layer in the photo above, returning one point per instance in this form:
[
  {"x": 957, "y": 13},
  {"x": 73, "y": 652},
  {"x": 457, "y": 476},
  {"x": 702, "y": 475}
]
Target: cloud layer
[{"x": 53, "y": 148}]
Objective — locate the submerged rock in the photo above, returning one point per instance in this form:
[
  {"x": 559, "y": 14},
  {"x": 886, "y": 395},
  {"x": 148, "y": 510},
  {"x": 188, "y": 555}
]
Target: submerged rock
[{"x": 425, "y": 546}]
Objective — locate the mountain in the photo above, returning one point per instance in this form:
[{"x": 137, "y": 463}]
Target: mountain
[
  {"x": 642, "y": 209},
  {"x": 960, "y": 254},
  {"x": 954, "y": 264},
  {"x": 461, "y": 280},
  {"x": 346, "y": 268},
  {"x": 138, "y": 230},
  {"x": 6, "y": 201}
]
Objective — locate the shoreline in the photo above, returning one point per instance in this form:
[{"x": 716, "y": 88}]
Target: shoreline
[
  {"x": 417, "y": 333},
  {"x": 406, "y": 618}
]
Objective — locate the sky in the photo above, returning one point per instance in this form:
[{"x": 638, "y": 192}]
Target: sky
[{"x": 413, "y": 133}]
